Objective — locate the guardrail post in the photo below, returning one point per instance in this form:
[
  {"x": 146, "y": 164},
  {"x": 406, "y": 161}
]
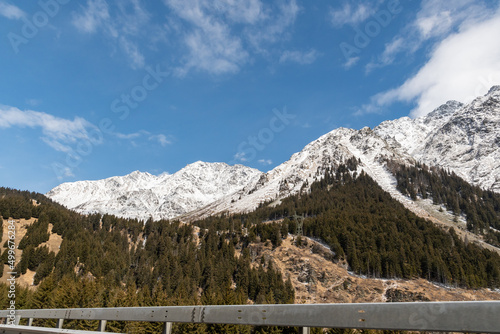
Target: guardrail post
[
  {"x": 102, "y": 326},
  {"x": 30, "y": 322},
  {"x": 60, "y": 323},
  {"x": 305, "y": 330},
  {"x": 18, "y": 319},
  {"x": 167, "y": 328}
]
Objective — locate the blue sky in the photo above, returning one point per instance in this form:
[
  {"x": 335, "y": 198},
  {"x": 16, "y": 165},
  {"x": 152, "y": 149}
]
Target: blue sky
[{"x": 93, "y": 89}]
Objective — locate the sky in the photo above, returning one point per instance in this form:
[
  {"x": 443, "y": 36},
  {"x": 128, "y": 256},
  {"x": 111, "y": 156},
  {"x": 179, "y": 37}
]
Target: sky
[{"x": 97, "y": 88}]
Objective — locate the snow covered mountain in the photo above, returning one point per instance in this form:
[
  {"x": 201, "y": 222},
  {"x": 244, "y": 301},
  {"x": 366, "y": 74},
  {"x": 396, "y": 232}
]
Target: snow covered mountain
[
  {"x": 463, "y": 138},
  {"x": 305, "y": 167},
  {"x": 142, "y": 195}
]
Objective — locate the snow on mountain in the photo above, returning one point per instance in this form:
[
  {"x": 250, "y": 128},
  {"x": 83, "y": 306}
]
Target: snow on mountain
[
  {"x": 305, "y": 167},
  {"x": 142, "y": 195},
  {"x": 463, "y": 138},
  {"x": 408, "y": 134}
]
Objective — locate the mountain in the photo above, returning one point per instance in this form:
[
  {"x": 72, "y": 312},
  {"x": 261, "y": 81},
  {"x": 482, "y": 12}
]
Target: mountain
[
  {"x": 329, "y": 151},
  {"x": 462, "y": 138},
  {"x": 142, "y": 195}
]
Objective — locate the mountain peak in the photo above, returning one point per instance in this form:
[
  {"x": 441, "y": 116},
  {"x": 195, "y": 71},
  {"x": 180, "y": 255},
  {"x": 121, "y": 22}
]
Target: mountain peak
[
  {"x": 464, "y": 138},
  {"x": 139, "y": 173},
  {"x": 443, "y": 111},
  {"x": 142, "y": 195},
  {"x": 493, "y": 90}
]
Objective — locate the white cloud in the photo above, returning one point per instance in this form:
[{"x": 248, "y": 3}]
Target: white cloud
[
  {"x": 241, "y": 11},
  {"x": 460, "y": 67},
  {"x": 388, "y": 56},
  {"x": 240, "y": 156},
  {"x": 95, "y": 15},
  {"x": 265, "y": 162},
  {"x": 65, "y": 172},
  {"x": 213, "y": 36},
  {"x": 209, "y": 41},
  {"x": 126, "y": 25},
  {"x": 351, "y": 62},
  {"x": 276, "y": 26},
  {"x": 130, "y": 135},
  {"x": 352, "y": 16},
  {"x": 220, "y": 35},
  {"x": 434, "y": 21},
  {"x": 133, "y": 52},
  {"x": 438, "y": 18},
  {"x": 10, "y": 11},
  {"x": 303, "y": 58},
  {"x": 161, "y": 139},
  {"x": 57, "y": 132}
]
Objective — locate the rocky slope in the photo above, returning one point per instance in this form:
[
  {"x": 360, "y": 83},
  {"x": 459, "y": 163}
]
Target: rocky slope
[{"x": 317, "y": 279}]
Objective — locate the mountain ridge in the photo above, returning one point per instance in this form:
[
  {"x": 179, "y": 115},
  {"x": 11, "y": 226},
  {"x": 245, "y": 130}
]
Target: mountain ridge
[
  {"x": 142, "y": 195},
  {"x": 463, "y": 138}
]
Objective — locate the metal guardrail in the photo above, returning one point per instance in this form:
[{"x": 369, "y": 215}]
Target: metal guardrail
[{"x": 483, "y": 317}]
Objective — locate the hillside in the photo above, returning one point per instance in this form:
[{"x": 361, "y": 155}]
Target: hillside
[{"x": 372, "y": 249}]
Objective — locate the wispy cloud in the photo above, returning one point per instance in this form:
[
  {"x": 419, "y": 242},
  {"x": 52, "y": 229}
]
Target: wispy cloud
[
  {"x": 274, "y": 28},
  {"x": 242, "y": 11},
  {"x": 130, "y": 136},
  {"x": 125, "y": 25},
  {"x": 434, "y": 21},
  {"x": 457, "y": 68},
  {"x": 265, "y": 162},
  {"x": 240, "y": 156},
  {"x": 211, "y": 45},
  {"x": 220, "y": 36},
  {"x": 10, "y": 11},
  {"x": 92, "y": 17},
  {"x": 212, "y": 36},
  {"x": 303, "y": 58},
  {"x": 58, "y": 132},
  {"x": 161, "y": 139},
  {"x": 64, "y": 134},
  {"x": 353, "y": 14},
  {"x": 351, "y": 62}
]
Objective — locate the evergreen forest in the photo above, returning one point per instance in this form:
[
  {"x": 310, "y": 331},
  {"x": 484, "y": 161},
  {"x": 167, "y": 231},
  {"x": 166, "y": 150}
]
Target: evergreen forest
[{"x": 106, "y": 261}]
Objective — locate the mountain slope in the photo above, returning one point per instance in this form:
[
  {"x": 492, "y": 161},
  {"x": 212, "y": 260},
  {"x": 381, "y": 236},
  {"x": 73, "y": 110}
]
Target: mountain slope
[
  {"x": 142, "y": 195},
  {"x": 462, "y": 138},
  {"x": 328, "y": 152}
]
